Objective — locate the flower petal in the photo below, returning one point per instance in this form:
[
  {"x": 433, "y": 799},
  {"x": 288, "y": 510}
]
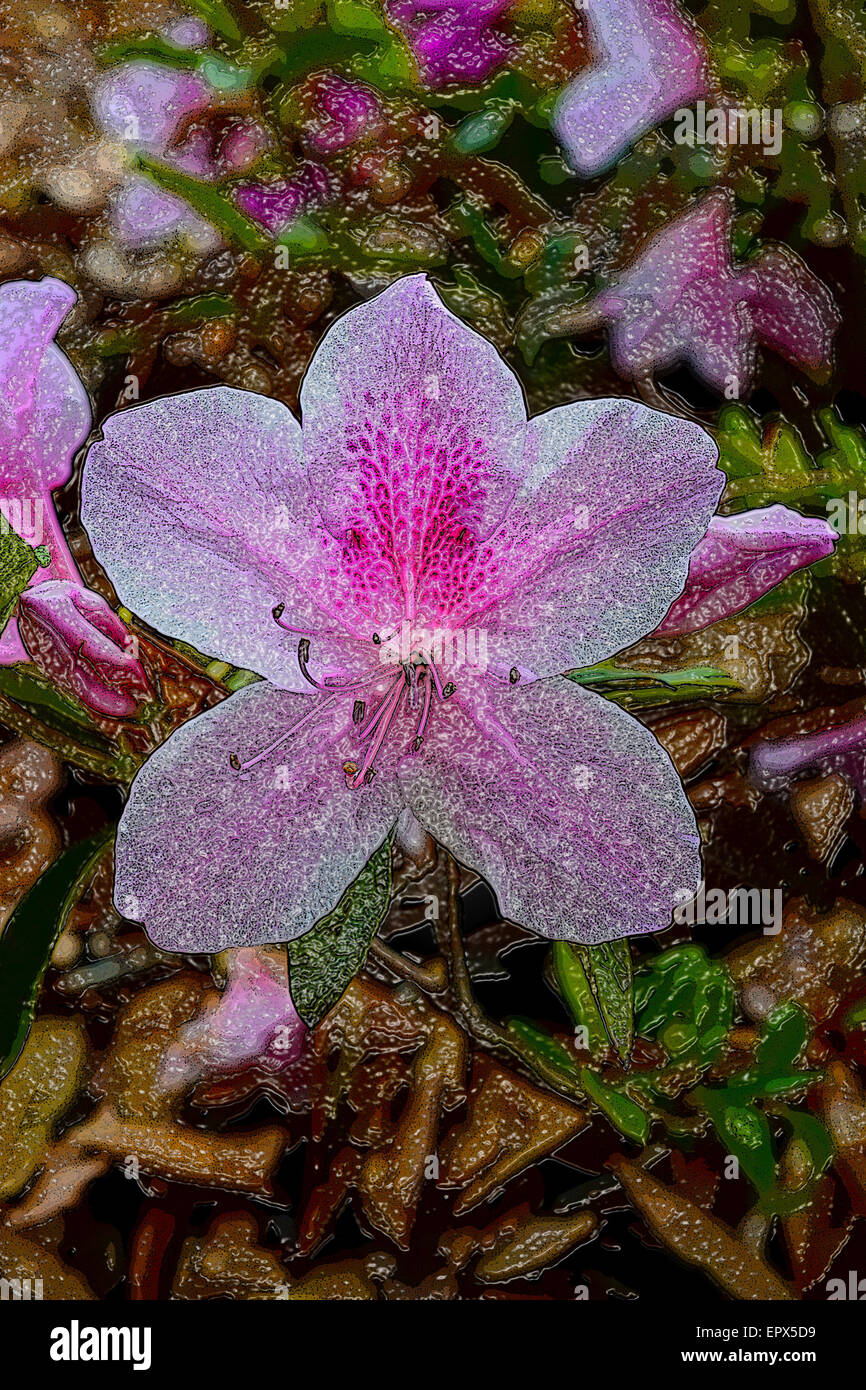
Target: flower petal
[
  {"x": 143, "y": 103},
  {"x": 647, "y": 59},
  {"x": 413, "y": 435},
  {"x": 565, "y": 803},
  {"x": 198, "y": 509},
  {"x": 597, "y": 544},
  {"x": 44, "y": 410},
  {"x": 209, "y": 857}
]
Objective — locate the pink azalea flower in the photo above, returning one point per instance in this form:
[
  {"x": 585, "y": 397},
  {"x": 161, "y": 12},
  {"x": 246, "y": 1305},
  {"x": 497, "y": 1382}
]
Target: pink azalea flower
[
  {"x": 684, "y": 301},
  {"x": 648, "y": 60},
  {"x": 252, "y": 1022},
  {"x": 276, "y": 205},
  {"x": 838, "y": 747},
  {"x": 345, "y": 111},
  {"x": 74, "y": 636},
  {"x": 741, "y": 558},
  {"x": 44, "y": 419},
  {"x": 410, "y": 573},
  {"x": 453, "y": 40}
]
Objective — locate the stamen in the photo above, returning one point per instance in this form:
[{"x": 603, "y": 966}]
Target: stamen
[
  {"x": 425, "y": 715},
  {"x": 238, "y": 766},
  {"x": 277, "y": 613},
  {"x": 388, "y": 711},
  {"x": 303, "y": 658},
  {"x": 358, "y": 711},
  {"x": 436, "y": 681},
  {"x": 373, "y": 719}
]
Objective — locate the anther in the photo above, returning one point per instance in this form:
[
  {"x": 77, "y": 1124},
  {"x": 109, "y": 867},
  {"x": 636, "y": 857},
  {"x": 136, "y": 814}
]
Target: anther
[
  {"x": 303, "y": 658},
  {"x": 416, "y": 742},
  {"x": 449, "y": 689},
  {"x": 376, "y": 639},
  {"x": 278, "y": 612},
  {"x": 514, "y": 675},
  {"x": 358, "y": 711},
  {"x": 235, "y": 762},
  {"x": 369, "y": 775}
]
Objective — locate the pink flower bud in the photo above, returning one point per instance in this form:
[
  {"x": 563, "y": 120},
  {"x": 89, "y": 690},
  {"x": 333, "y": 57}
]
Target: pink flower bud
[
  {"x": 78, "y": 641},
  {"x": 740, "y": 559}
]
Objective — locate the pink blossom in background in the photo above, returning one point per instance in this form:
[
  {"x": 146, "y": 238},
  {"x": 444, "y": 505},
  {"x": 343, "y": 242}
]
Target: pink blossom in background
[
  {"x": 683, "y": 301},
  {"x": 648, "y": 60},
  {"x": 741, "y": 558},
  {"x": 146, "y": 106},
  {"x": 44, "y": 419},
  {"x": 346, "y": 112},
  {"x": 417, "y": 498},
  {"x": 838, "y": 747},
  {"x": 453, "y": 40},
  {"x": 276, "y": 205},
  {"x": 77, "y": 640},
  {"x": 253, "y": 1022}
]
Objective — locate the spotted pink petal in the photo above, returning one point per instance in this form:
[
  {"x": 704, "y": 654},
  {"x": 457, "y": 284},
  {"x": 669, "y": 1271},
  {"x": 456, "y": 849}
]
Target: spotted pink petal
[
  {"x": 197, "y": 506},
  {"x": 597, "y": 544},
  {"x": 413, "y": 437},
  {"x": 647, "y": 60},
  {"x": 741, "y": 558},
  {"x": 256, "y": 855},
  {"x": 566, "y": 804}
]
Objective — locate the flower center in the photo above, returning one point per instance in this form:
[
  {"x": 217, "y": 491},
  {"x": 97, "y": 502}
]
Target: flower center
[{"x": 418, "y": 680}]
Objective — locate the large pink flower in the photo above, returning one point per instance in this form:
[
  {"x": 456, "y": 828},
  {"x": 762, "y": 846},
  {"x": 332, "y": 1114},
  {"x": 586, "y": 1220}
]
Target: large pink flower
[{"x": 410, "y": 573}]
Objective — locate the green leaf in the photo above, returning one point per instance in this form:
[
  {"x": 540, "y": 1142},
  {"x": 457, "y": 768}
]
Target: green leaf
[
  {"x": 29, "y": 936},
  {"x": 785, "y": 1033},
  {"x": 577, "y": 994},
  {"x": 536, "y": 1040},
  {"x": 324, "y": 961},
  {"x": 210, "y": 202},
  {"x": 624, "y": 1113},
  {"x": 304, "y": 236},
  {"x": 18, "y": 564},
  {"x": 608, "y": 970},
  {"x": 746, "y": 1132},
  {"x": 636, "y": 687},
  {"x": 36, "y": 709},
  {"x": 686, "y": 1000}
]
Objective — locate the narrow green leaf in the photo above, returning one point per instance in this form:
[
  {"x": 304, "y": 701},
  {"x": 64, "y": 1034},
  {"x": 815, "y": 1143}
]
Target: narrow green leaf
[
  {"x": 545, "y": 1046},
  {"x": 324, "y": 961},
  {"x": 577, "y": 994},
  {"x": 29, "y": 936},
  {"x": 624, "y": 1113},
  {"x": 209, "y": 202},
  {"x": 608, "y": 969}
]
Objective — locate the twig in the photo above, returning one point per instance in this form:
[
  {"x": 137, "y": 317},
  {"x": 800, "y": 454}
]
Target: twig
[{"x": 431, "y": 975}]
